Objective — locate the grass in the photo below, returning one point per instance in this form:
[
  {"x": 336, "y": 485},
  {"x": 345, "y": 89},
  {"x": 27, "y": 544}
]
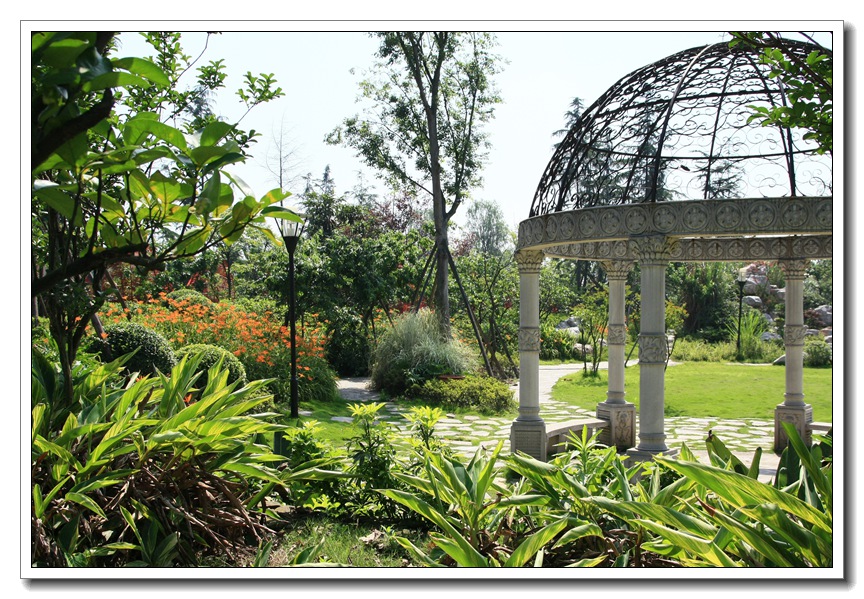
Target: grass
[
  {"x": 710, "y": 390},
  {"x": 346, "y": 543}
]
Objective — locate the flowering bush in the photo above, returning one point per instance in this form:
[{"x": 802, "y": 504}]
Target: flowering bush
[{"x": 259, "y": 341}]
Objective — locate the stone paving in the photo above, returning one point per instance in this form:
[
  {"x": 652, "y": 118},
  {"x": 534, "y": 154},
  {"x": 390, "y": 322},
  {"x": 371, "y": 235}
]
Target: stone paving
[{"x": 464, "y": 433}]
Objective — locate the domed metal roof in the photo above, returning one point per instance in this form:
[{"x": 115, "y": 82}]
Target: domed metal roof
[{"x": 679, "y": 129}]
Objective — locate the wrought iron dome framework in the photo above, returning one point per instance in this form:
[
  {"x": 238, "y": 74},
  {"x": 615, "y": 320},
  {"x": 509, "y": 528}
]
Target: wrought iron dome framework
[{"x": 679, "y": 129}]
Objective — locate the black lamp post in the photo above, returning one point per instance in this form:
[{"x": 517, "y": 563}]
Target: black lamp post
[
  {"x": 741, "y": 280},
  {"x": 290, "y": 231}
]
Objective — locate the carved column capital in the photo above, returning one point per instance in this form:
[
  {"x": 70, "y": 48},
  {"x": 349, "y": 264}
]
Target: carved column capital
[
  {"x": 794, "y": 268},
  {"x": 652, "y": 249},
  {"x": 529, "y": 261},
  {"x": 616, "y": 270}
]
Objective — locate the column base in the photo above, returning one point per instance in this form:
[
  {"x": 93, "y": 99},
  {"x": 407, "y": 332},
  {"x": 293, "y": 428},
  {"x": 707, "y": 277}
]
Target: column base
[
  {"x": 529, "y": 436},
  {"x": 621, "y": 432},
  {"x": 800, "y": 417}
]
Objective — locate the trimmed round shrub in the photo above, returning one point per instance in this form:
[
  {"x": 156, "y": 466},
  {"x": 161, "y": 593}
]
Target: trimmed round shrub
[
  {"x": 190, "y": 297},
  {"x": 412, "y": 352},
  {"x": 154, "y": 351},
  {"x": 817, "y": 353},
  {"x": 481, "y": 393},
  {"x": 210, "y": 355}
]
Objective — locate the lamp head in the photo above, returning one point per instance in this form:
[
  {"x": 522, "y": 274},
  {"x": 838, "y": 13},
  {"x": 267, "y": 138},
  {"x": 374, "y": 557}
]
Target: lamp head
[{"x": 290, "y": 230}]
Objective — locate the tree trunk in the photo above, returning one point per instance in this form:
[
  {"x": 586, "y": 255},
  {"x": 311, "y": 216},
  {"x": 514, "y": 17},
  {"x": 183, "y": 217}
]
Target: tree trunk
[{"x": 442, "y": 286}]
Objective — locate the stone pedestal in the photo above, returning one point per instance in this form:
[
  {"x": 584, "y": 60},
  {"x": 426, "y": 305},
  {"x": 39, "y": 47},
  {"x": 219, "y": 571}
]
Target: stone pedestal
[
  {"x": 621, "y": 432},
  {"x": 800, "y": 416},
  {"x": 529, "y": 436}
]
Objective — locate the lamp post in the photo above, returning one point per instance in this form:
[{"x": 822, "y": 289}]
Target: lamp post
[
  {"x": 741, "y": 280},
  {"x": 290, "y": 231}
]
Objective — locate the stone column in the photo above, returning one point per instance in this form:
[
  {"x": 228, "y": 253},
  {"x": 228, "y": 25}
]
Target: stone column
[
  {"x": 528, "y": 431},
  {"x": 793, "y": 409},
  {"x": 653, "y": 255},
  {"x": 621, "y": 415}
]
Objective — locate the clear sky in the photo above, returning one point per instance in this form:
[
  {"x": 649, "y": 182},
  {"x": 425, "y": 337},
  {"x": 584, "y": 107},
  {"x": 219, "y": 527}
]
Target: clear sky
[{"x": 320, "y": 72}]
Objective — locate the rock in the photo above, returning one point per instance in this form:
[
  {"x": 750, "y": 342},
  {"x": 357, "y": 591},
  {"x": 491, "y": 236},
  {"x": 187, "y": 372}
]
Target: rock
[
  {"x": 825, "y": 314},
  {"x": 829, "y": 340},
  {"x": 570, "y": 323},
  {"x": 811, "y": 333},
  {"x": 781, "y": 294},
  {"x": 754, "y": 301},
  {"x": 771, "y": 337}
]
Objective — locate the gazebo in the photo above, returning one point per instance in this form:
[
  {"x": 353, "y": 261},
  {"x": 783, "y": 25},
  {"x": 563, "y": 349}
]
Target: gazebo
[{"x": 667, "y": 166}]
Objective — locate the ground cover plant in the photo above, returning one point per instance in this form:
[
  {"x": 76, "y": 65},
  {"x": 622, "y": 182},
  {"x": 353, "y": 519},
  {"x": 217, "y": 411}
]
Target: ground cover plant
[{"x": 706, "y": 389}]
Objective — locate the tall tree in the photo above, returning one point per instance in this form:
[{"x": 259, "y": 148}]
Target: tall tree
[{"x": 431, "y": 94}]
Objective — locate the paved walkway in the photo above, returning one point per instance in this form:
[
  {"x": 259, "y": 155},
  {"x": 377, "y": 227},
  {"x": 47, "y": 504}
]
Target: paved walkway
[{"x": 465, "y": 433}]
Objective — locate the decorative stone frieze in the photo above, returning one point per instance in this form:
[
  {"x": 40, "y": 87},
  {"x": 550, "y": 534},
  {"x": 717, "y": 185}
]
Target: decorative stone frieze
[
  {"x": 739, "y": 218},
  {"x": 529, "y": 339},
  {"x": 653, "y": 348},
  {"x": 700, "y": 250}
]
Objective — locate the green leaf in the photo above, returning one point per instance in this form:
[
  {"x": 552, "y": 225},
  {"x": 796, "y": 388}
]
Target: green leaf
[
  {"x": 137, "y": 130},
  {"x": 204, "y": 154},
  {"x": 114, "y": 79},
  {"x": 740, "y": 490},
  {"x": 213, "y": 133},
  {"x": 458, "y": 548},
  {"x": 273, "y": 196},
  {"x": 143, "y": 68},
  {"x": 588, "y": 529},
  {"x": 534, "y": 543},
  {"x": 690, "y": 544},
  {"x": 59, "y": 200},
  {"x": 87, "y": 502}
]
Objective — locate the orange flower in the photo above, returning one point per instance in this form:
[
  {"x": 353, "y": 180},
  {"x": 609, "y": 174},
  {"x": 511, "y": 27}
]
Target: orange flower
[
  {"x": 187, "y": 399},
  {"x": 104, "y": 335}
]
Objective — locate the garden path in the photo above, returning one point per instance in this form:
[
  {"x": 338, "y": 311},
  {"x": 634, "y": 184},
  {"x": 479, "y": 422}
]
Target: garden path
[{"x": 464, "y": 433}]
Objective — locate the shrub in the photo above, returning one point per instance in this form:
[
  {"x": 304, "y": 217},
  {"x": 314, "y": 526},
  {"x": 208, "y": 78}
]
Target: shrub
[
  {"x": 210, "y": 355},
  {"x": 412, "y": 352},
  {"x": 154, "y": 353},
  {"x": 558, "y": 344},
  {"x": 187, "y": 297},
  {"x": 482, "y": 393},
  {"x": 817, "y": 353}
]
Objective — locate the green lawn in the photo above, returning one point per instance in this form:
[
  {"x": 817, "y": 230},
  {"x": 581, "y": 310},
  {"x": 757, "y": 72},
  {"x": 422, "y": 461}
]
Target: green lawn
[{"x": 708, "y": 389}]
